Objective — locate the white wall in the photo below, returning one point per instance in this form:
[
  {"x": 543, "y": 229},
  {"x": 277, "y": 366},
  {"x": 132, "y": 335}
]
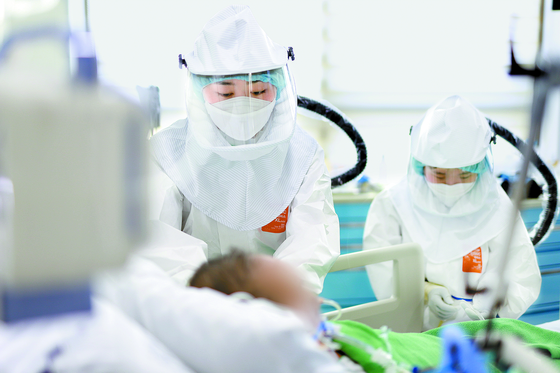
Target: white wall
[
  {"x": 138, "y": 41},
  {"x": 386, "y": 134}
]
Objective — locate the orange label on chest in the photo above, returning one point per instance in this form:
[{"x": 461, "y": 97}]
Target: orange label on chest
[
  {"x": 278, "y": 225},
  {"x": 472, "y": 262}
]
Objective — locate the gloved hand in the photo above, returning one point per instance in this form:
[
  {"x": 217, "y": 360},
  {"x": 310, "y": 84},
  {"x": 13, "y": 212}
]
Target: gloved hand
[
  {"x": 472, "y": 312},
  {"x": 441, "y": 303}
]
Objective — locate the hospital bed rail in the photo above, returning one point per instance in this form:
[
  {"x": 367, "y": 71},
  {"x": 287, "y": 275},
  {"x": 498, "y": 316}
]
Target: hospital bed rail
[{"x": 403, "y": 312}]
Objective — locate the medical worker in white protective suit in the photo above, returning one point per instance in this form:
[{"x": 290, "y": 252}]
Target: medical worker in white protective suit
[
  {"x": 245, "y": 175},
  {"x": 451, "y": 204}
]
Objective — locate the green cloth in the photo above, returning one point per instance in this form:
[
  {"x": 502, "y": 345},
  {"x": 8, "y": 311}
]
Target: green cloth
[{"x": 424, "y": 349}]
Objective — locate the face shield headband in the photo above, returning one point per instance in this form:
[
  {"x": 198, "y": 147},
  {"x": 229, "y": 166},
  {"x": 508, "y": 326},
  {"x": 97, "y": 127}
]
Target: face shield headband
[
  {"x": 477, "y": 168},
  {"x": 274, "y": 77}
]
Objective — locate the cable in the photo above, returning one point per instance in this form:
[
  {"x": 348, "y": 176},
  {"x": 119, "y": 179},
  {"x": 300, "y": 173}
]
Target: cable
[
  {"x": 335, "y": 116},
  {"x": 550, "y": 205}
]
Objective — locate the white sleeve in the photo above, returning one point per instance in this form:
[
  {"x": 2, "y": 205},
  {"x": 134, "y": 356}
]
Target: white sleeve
[
  {"x": 382, "y": 228},
  {"x": 210, "y": 331},
  {"x": 312, "y": 233},
  {"x": 523, "y": 273},
  {"x": 159, "y": 184},
  {"x": 175, "y": 208},
  {"x": 174, "y": 251},
  {"x": 167, "y": 203}
]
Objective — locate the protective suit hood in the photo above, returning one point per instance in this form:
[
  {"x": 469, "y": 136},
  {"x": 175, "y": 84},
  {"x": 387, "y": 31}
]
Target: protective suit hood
[
  {"x": 232, "y": 42},
  {"x": 452, "y": 134},
  {"x": 242, "y": 184}
]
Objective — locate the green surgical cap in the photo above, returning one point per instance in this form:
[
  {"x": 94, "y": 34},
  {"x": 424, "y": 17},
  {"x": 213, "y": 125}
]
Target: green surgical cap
[
  {"x": 477, "y": 168},
  {"x": 275, "y": 77}
]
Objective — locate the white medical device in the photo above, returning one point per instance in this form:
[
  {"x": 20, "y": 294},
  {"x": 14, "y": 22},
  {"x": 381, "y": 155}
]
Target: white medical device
[{"x": 73, "y": 160}]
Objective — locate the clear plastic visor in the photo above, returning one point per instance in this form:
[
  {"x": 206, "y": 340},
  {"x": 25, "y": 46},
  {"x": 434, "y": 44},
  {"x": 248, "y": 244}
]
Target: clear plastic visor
[
  {"x": 243, "y": 108},
  {"x": 451, "y": 191},
  {"x": 449, "y": 185},
  {"x": 448, "y": 176},
  {"x": 233, "y": 88}
]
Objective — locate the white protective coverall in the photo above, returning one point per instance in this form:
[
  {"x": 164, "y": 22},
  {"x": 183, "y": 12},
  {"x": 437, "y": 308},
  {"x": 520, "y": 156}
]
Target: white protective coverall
[
  {"x": 103, "y": 341},
  {"x": 464, "y": 242},
  {"x": 211, "y": 332},
  {"x": 176, "y": 253},
  {"x": 264, "y": 190}
]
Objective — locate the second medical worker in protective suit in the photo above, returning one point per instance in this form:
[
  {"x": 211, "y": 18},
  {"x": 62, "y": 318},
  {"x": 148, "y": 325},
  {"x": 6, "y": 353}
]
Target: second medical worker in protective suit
[
  {"x": 451, "y": 205},
  {"x": 245, "y": 175}
]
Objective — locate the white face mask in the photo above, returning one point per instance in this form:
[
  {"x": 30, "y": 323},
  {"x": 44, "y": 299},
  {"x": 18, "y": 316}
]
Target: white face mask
[
  {"x": 241, "y": 117},
  {"x": 450, "y": 194}
]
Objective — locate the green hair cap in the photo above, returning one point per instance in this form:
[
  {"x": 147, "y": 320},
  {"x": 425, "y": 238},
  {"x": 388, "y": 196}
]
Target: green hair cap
[{"x": 275, "y": 77}]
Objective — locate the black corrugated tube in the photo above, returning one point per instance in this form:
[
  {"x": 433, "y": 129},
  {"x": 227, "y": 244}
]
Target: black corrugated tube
[
  {"x": 335, "y": 116},
  {"x": 546, "y": 219}
]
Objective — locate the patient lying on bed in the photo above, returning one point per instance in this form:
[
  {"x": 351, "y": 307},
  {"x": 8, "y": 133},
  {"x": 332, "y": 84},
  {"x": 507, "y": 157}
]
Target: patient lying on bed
[{"x": 374, "y": 350}]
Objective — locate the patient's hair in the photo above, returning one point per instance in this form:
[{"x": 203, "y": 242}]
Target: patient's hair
[{"x": 228, "y": 274}]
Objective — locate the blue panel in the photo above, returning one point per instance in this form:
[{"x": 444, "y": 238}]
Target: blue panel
[
  {"x": 351, "y": 236},
  {"x": 531, "y": 216},
  {"x": 351, "y": 212},
  {"x": 25, "y": 304},
  {"x": 349, "y": 250},
  {"x": 548, "y": 260},
  {"x": 550, "y": 291},
  {"x": 348, "y": 288},
  {"x": 540, "y": 318},
  {"x": 552, "y": 242}
]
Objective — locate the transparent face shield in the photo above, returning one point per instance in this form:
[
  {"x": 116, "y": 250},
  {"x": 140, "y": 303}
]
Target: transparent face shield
[
  {"x": 242, "y": 109},
  {"x": 456, "y": 191},
  {"x": 449, "y": 184}
]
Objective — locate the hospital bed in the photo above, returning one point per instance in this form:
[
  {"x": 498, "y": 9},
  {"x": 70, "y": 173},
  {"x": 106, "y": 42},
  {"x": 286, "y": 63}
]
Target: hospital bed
[{"x": 403, "y": 312}]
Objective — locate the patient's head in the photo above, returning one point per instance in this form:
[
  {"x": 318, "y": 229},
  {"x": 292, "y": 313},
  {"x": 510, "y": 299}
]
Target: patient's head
[{"x": 261, "y": 276}]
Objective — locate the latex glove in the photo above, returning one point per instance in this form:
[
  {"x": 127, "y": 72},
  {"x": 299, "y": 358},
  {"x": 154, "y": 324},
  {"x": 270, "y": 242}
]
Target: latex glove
[
  {"x": 441, "y": 303},
  {"x": 472, "y": 312}
]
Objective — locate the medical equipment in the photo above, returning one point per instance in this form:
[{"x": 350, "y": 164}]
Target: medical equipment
[
  {"x": 459, "y": 353},
  {"x": 403, "y": 312},
  {"x": 149, "y": 100},
  {"x": 330, "y": 336},
  {"x": 546, "y": 76},
  {"x": 335, "y": 116},
  {"x": 544, "y": 226},
  {"x": 335, "y": 305},
  {"x": 75, "y": 155}
]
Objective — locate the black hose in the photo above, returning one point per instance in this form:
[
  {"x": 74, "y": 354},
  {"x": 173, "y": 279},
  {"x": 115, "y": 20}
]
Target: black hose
[
  {"x": 540, "y": 230},
  {"x": 335, "y": 116}
]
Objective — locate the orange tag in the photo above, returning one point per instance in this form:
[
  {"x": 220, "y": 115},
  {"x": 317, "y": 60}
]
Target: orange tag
[
  {"x": 278, "y": 225},
  {"x": 472, "y": 262}
]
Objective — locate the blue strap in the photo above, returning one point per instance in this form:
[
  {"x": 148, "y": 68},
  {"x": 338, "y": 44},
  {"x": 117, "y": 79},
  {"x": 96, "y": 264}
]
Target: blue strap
[{"x": 465, "y": 299}]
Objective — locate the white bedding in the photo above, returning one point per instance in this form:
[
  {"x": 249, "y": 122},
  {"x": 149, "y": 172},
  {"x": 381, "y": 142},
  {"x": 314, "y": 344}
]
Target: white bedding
[{"x": 552, "y": 325}]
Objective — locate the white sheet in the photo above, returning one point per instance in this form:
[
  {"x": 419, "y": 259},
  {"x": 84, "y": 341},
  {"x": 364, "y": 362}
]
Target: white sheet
[
  {"x": 552, "y": 325},
  {"x": 103, "y": 341}
]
